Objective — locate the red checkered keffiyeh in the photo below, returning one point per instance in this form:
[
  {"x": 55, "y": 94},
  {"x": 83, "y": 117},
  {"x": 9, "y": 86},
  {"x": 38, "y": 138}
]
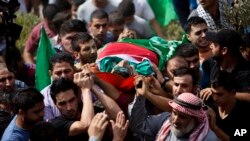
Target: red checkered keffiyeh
[{"x": 201, "y": 130}]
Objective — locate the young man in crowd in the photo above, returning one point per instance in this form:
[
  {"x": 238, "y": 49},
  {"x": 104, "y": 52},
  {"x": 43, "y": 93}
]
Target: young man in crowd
[
  {"x": 229, "y": 114},
  {"x": 75, "y": 116},
  {"x": 195, "y": 29},
  {"x": 29, "y": 109},
  {"x": 98, "y": 28}
]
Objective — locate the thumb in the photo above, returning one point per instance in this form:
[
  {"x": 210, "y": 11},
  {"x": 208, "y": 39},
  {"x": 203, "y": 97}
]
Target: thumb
[{"x": 112, "y": 123}]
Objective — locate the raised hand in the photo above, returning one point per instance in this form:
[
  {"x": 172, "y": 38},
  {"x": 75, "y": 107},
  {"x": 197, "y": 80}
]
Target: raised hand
[
  {"x": 119, "y": 127},
  {"x": 84, "y": 79},
  {"x": 141, "y": 85},
  {"x": 98, "y": 126}
]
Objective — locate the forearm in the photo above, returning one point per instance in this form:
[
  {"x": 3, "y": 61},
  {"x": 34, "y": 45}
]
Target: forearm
[
  {"x": 243, "y": 96},
  {"x": 28, "y": 58},
  {"x": 109, "y": 89},
  {"x": 156, "y": 27},
  {"x": 88, "y": 110},
  {"x": 159, "y": 101},
  {"x": 220, "y": 134},
  {"x": 109, "y": 104},
  {"x": 138, "y": 108}
]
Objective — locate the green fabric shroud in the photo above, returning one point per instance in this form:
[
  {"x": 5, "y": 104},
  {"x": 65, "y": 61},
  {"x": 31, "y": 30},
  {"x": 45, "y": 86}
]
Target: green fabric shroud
[{"x": 163, "y": 48}]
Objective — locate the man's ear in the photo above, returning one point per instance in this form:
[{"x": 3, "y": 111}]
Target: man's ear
[
  {"x": 188, "y": 36},
  {"x": 21, "y": 112},
  {"x": 241, "y": 49},
  {"x": 76, "y": 55},
  {"x": 59, "y": 39},
  {"x": 195, "y": 88},
  {"x": 224, "y": 50},
  {"x": 89, "y": 25},
  {"x": 50, "y": 72}
]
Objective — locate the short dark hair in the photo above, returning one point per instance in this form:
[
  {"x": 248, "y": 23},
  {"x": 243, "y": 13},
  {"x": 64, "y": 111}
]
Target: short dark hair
[
  {"x": 59, "y": 18},
  {"x": 62, "y": 85},
  {"x": 63, "y": 5},
  {"x": 61, "y": 57},
  {"x": 77, "y": 2},
  {"x": 72, "y": 26},
  {"x": 79, "y": 38},
  {"x": 186, "y": 50},
  {"x": 225, "y": 80},
  {"x": 116, "y": 18},
  {"x": 227, "y": 38},
  {"x": 187, "y": 71},
  {"x": 50, "y": 11},
  {"x": 126, "y": 8},
  {"x": 180, "y": 59},
  {"x": 43, "y": 131},
  {"x": 99, "y": 14},
  {"x": 193, "y": 21},
  {"x": 26, "y": 99}
]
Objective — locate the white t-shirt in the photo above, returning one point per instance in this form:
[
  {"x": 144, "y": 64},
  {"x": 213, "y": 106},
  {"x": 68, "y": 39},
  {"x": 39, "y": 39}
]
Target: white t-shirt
[
  {"x": 142, "y": 9},
  {"x": 141, "y": 27},
  {"x": 85, "y": 10}
]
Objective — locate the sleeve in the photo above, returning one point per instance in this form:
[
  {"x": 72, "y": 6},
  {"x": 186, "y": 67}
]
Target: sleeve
[
  {"x": 62, "y": 127},
  {"x": 194, "y": 13},
  {"x": 33, "y": 39},
  {"x": 147, "y": 32},
  {"x": 143, "y": 125},
  {"x": 80, "y": 13},
  {"x": 147, "y": 12}
]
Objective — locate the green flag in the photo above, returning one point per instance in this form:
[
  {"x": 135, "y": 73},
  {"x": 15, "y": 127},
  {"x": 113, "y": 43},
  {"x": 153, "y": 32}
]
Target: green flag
[
  {"x": 163, "y": 10},
  {"x": 44, "y": 52}
]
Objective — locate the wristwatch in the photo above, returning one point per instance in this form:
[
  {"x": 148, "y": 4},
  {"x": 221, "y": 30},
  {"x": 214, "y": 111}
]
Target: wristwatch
[{"x": 163, "y": 84}]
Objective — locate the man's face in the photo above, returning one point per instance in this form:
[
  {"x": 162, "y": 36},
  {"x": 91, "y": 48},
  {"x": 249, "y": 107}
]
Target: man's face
[
  {"x": 193, "y": 62},
  {"x": 116, "y": 30},
  {"x": 207, "y": 3},
  {"x": 181, "y": 123},
  {"x": 216, "y": 51},
  {"x": 98, "y": 28},
  {"x": 183, "y": 84},
  {"x": 171, "y": 66},
  {"x": 34, "y": 115},
  {"x": 246, "y": 53},
  {"x": 67, "y": 104},
  {"x": 66, "y": 42},
  {"x": 221, "y": 96},
  {"x": 74, "y": 11},
  {"x": 62, "y": 69},
  {"x": 88, "y": 52},
  {"x": 7, "y": 80},
  {"x": 197, "y": 36}
]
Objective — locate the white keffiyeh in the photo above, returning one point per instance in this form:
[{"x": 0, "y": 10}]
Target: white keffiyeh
[{"x": 207, "y": 17}]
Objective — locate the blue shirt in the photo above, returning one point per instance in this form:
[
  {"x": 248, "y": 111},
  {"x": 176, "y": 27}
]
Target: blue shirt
[{"x": 14, "y": 133}]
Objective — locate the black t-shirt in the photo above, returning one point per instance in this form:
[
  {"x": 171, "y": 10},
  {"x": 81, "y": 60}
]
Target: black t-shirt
[
  {"x": 62, "y": 127},
  {"x": 241, "y": 72},
  {"x": 239, "y": 119}
]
